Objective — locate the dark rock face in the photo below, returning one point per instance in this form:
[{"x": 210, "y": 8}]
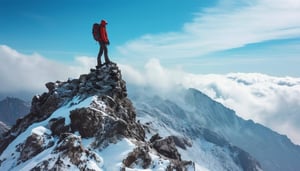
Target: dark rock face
[
  {"x": 86, "y": 121},
  {"x": 57, "y": 126},
  {"x": 166, "y": 147}
]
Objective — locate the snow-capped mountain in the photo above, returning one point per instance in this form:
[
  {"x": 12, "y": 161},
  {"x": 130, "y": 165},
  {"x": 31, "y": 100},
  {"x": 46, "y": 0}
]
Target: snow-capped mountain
[
  {"x": 213, "y": 129},
  {"x": 89, "y": 124},
  {"x": 11, "y": 109}
]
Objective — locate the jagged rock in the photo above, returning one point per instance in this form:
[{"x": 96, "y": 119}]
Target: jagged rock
[
  {"x": 139, "y": 156},
  {"x": 86, "y": 121},
  {"x": 83, "y": 78},
  {"x": 69, "y": 148},
  {"x": 69, "y": 143},
  {"x": 166, "y": 147},
  {"x": 112, "y": 131},
  {"x": 50, "y": 86},
  {"x": 108, "y": 118},
  {"x": 155, "y": 137},
  {"x": 181, "y": 166},
  {"x": 57, "y": 126},
  {"x": 33, "y": 145}
]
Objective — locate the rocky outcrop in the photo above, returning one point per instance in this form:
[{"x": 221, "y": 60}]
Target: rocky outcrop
[
  {"x": 139, "y": 156},
  {"x": 70, "y": 148},
  {"x": 106, "y": 82},
  {"x": 33, "y": 145},
  {"x": 57, "y": 126},
  {"x": 165, "y": 147},
  {"x": 108, "y": 118}
]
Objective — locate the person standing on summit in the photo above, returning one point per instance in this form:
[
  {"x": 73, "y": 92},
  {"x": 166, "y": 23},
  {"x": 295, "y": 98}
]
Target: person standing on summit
[{"x": 100, "y": 35}]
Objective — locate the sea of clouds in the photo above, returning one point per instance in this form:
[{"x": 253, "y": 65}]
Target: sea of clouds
[{"x": 271, "y": 101}]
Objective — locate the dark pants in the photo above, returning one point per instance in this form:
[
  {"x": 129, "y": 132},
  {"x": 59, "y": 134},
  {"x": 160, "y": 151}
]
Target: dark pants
[{"x": 103, "y": 48}]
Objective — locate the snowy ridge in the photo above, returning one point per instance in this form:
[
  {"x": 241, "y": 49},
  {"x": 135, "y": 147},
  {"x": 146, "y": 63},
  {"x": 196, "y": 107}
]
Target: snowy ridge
[
  {"x": 87, "y": 124},
  {"x": 207, "y": 149},
  {"x": 215, "y": 131}
]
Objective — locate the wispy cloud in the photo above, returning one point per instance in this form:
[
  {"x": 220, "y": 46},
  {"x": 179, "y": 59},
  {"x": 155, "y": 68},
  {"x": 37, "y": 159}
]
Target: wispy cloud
[
  {"x": 20, "y": 72},
  {"x": 226, "y": 26}
]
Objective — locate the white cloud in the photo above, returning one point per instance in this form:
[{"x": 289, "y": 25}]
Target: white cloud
[
  {"x": 226, "y": 26},
  {"x": 29, "y": 73},
  {"x": 271, "y": 101},
  {"x": 154, "y": 75}
]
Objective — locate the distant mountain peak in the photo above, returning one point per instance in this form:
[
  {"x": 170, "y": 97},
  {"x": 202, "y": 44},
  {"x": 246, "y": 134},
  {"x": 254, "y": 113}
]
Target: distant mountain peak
[{"x": 11, "y": 109}]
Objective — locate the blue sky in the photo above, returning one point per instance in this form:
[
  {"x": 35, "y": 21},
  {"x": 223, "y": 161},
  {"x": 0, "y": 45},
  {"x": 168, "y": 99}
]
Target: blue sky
[
  {"x": 198, "y": 36},
  {"x": 62, "y": 29}
]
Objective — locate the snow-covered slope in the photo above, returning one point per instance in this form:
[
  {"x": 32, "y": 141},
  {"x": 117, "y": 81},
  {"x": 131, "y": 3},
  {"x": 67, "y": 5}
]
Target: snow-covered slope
[
  {"x": 87, "y": 124},
  {"x": 213, "y": 129}
]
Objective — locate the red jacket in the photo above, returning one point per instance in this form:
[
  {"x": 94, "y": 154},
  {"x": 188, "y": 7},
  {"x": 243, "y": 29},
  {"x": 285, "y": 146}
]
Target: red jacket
[{"x": 103, "y": 33}]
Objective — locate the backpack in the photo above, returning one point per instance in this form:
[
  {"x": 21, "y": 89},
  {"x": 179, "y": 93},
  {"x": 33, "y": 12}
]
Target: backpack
[{"x": 96, "y": 31}]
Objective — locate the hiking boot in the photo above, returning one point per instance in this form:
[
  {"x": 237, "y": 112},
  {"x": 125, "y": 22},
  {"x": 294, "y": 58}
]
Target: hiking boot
[{"x": 109, "y": 62}]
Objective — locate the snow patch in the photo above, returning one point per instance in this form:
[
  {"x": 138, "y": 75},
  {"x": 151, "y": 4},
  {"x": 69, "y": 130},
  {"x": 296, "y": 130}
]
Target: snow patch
[
  {"x": 40, "y": 130},
  {"x": 114, "y": 154}
]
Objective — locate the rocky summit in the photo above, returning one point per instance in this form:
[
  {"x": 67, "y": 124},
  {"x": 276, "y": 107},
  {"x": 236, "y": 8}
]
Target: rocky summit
[{"x": 89, "y": 124}]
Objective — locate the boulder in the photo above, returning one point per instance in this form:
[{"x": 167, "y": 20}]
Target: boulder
[
  {"x": 166, "y": 147},
  {"x": 33, "y": 145},
  {"x": 57, "y": 126},
  {"x": 139, "y": 156},
  {"x": 86, "y": 121}
]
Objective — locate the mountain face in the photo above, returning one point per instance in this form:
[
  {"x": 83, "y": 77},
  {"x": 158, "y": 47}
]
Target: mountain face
[
  {"x": 215, "y": 131},
  {"x": 89, "y": 124},
  {"x": 3, "y": 129},
  {"x": 11, "y": 109}
]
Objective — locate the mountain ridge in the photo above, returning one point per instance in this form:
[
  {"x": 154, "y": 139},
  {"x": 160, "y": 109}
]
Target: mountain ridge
[
  {"x": 273, "y": 151},
  {"x": 79, "y": 123}
]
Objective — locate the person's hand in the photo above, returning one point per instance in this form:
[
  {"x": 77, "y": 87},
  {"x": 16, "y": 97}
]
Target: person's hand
[{"x": 108, "y": 42}]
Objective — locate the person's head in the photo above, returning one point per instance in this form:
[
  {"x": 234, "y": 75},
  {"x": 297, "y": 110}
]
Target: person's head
[{"x": 103, "y": 22}]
